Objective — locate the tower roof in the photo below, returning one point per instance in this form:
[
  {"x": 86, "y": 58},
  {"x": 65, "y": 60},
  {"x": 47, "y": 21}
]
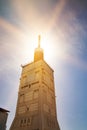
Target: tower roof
[
  {"x": 3, "y": 110},
  {"x": 38, "y": 54}
]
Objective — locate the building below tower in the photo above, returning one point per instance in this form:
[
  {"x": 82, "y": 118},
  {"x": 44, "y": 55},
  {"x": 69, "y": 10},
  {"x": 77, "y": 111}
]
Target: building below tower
[{"x": 3, "y": 118}]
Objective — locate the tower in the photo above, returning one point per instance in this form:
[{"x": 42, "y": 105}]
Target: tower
[{"x": 36, "y": 105}]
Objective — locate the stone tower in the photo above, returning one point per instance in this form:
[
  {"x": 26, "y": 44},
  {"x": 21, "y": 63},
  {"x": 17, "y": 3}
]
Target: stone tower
[{"x": 36, "y": 105}]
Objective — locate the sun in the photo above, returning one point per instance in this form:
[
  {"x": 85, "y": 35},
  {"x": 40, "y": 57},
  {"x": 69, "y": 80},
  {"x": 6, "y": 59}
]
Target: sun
[{"x": 53, "y": 47}]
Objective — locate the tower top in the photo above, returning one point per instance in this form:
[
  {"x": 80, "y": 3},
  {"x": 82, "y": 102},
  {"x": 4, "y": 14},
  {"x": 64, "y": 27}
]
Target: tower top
[
  {"x": 39, "y": 38},
  {"x": 38, "y": 54}
]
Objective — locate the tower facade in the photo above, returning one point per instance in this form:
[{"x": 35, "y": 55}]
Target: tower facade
[{"x": 36, "y": 105}]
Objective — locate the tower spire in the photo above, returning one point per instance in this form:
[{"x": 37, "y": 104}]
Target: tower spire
[
  {"x": 38, "y": 54},
  {"x": 39, "y": 38}
]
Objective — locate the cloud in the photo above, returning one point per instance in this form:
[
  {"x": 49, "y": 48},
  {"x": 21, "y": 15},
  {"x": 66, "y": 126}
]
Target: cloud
[
  {"x": 11, "y": 28},
  {"x": 32, "y": 15},
  {"x": 70, "y": 33},
  {"x": 13, "y": 44}
]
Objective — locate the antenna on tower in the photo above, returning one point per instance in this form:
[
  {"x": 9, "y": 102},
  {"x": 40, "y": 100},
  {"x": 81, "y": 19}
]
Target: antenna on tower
[{"x": 39, "y": 38}]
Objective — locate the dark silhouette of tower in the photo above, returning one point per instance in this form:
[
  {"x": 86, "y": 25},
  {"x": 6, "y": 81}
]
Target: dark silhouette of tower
[{"x": 36, "y": 105}]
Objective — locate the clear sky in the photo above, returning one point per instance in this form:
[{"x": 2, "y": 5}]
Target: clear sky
[{"x": 63, "y": 27}]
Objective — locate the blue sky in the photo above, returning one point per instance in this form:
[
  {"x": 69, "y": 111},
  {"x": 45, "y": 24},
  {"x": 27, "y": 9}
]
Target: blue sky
[{"x": 63, "y": 24}]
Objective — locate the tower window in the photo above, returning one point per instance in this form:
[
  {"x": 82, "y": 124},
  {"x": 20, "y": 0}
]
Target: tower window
[
  {"x": 24, "y": 120},
  {"x": 29, "y": 85},
  {"x": 21, "y": 121},
  {"x": 36, "y": 92},
  {"x": 27, "y": 108},
  {"x": 28, "y": 121},
  {"x": 49, "y": 110}
]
